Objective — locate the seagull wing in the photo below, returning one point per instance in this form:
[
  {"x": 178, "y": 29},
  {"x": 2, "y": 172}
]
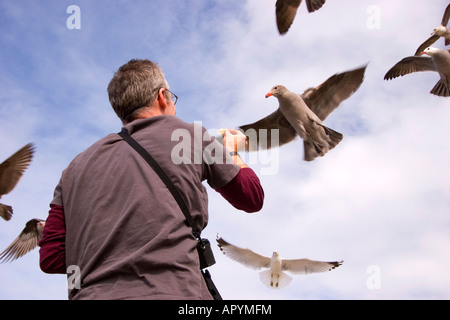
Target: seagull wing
[
  {"x": 409, "y": 65},
  {"x": 326, "y": 97},
  {"x": 27, "y": 240},
  {"x": 314, "y": 5},
  {"x": 274, "y": 121},
  {"x": 305, "y": 266},
  {"x": 12, "y": 169},
  {"x": 444, "y": 22},
  {"x": 245, "y": 256},
  {"x": 446, "y": 16},
  {"x": 426, "y": 44},
  {"x": 285, "y": 11}
]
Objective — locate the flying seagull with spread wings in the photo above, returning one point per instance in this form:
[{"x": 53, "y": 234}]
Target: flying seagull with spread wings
[
  {"x": 440, "y": 31},
  {"x": 438, "y": 61},
  {"x": 11, "y": 170},
  {"x": 27, "y": 240},
  {"x": 286, "y": 10},
  {"x": 274, "y": 277},
  {"x": 302, "y": 115}
]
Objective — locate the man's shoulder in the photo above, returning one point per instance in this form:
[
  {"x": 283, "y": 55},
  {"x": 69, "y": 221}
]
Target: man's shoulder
[
  {"x": 161, "y": 123},
  {"x": 107, "y": 140}
]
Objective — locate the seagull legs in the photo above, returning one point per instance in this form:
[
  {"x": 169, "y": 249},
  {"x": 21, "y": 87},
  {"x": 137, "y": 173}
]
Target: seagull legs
[{"x": 271, "y": 280}]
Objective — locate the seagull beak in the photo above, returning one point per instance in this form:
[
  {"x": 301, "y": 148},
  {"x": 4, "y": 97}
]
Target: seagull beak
[{"x": 269, "y": 94}]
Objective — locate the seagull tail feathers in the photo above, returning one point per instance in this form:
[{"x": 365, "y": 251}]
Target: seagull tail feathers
[
  {"x": 313, "y": 149},
  {"x": 274, "y": 281},
  {"x": 441, "y": 89},
  {"x": 333, "y": 137}
]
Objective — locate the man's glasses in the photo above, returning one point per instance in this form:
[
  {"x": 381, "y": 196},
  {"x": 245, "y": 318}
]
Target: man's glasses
[{"x": 174, "y": 96}]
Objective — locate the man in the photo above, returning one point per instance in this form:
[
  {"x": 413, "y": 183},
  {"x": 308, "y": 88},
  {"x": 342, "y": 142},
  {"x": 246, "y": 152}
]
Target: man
[{"x": 114, "y": 220}]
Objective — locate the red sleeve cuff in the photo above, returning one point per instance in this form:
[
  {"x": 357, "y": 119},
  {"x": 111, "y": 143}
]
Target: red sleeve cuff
[{"x": 244, "y": 192}]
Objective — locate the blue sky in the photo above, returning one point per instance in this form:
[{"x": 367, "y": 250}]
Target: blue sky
[{"x": 379, "y": 200}]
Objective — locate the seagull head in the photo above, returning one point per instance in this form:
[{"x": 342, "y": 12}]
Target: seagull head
[
  {"x": 40, "y": 225},
  {"x": 430, "y": 51},
  {"x": 440, "y": 31},
  {"x": 275, "y": 253},
  {"x": 276, "y": 91}
]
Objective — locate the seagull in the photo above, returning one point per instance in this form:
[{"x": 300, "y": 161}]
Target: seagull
[
  {"x": 438, "y": 61},
  {"x": 286, "y": 10},
  {"x": 440, "y": 31},
  {"x": 27, "y": 240},
  {"x": 302, "y": 115},
  {"x": 274, "y": 277},
  {"x": 11, "y": 170}
]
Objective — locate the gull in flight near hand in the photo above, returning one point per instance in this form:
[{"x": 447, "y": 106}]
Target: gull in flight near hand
[
  {"x": 274, "y": 277},
  {"x": 302, "y": 115}
]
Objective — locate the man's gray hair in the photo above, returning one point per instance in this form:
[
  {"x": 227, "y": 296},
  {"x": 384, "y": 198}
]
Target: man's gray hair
[{"x": 134, "y": 86}]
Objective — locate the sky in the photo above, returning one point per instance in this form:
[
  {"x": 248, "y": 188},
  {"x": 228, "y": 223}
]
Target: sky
[{"x": 380, "y": 200}]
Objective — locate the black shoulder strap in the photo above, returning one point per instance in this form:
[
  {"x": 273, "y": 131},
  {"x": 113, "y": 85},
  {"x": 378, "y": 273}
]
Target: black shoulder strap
[{"x": 164, "y": 177}]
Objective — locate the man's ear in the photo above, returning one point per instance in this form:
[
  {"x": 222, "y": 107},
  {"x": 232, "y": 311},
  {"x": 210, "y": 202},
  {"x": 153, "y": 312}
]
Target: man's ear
[{"x": 162, "y": 100}]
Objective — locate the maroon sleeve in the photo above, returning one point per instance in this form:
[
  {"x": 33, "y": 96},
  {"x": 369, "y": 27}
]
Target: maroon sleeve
[
  {"x": 53, "y": 243},
  {"x": 244, "y": 192}
]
